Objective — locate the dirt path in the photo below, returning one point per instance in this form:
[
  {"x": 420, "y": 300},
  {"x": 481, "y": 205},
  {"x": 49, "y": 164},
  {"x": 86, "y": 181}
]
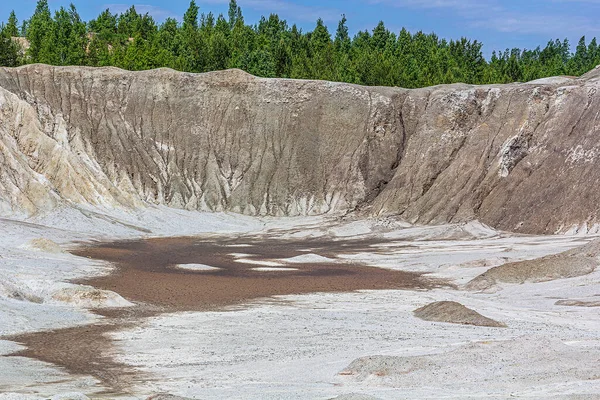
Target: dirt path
[{"x": 147, "y": 275}]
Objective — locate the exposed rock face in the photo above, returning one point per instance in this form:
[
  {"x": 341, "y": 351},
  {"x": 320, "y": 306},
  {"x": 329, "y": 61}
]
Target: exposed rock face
[
  {"x": 219, "y": 141},
  {"x": 518, "y": 157},
  {"x": 454, "y": 313}
]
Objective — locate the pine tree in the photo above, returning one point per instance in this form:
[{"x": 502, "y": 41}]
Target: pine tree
[
  {"x": 190, "y": 18},
  {"x": 233, "y": 13},
  {"x": 104, "y": 27},
  {"x": 9, "y": 50},
  {"x": 579, "y": 62},
  {"x": 272, "y": 48},
  {"x": 380, "y": 37},
  {"x": 12, "y": 25},
  {"x": 593, "y": 54},
  {"x": 321, "y": 51},
  {"x": 342, "y": 38},
  {"x": 39, "y": 33},
  {"x": 219, "y": 45},
  {"x": 166, "y": 46},
  {"x": 193, "y": 56},
  {"x": 241, "y": 41},
  {"x": 69, "y": 40}
]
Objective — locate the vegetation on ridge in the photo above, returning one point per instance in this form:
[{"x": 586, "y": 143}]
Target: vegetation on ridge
[{"x": 271, "y": 48}]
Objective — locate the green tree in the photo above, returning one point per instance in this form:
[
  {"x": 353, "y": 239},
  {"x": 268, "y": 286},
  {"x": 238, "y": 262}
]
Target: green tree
[
  {"x": 69, "y": 40},
  {"x": 9, "y": 50},
  {"x": 193, "y": 57},
  {"x": 219, "y": 45},
  {"x": 272, "y": 48},
  {"x": 12, "y": 25},
  {"x": 104, "y": 27},
  {"x": 579, "y": 63},
  {"x": 241, "y": 40},
  {"x": 166, "y": 46},
  {"x": 321, "y": 51},
  {"x": 259, "y": 63},
  {"x": 190, "y": 18},
  {"x": 234, "y": 13},
  {"x": 39, "y": 33},
  {"x": 342, "y": 38}
]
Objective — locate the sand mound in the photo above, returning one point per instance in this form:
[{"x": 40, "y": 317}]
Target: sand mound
[
  {"x": 454, "y": 313},
  {"x": 43, "y": 244},
  {"x": 89, "y": 297},
  {"x": 164, "y": 396},
  {"x": 355, "y": 396},
  {"x": 578, "y": 303},
  {"x": 12, "y": 290},
  {"x": 569, "y": 264},
  {"x": 524, "y": 363},
  {"x": 18, "y": 396},
  {"x": 70, "y": 396}
]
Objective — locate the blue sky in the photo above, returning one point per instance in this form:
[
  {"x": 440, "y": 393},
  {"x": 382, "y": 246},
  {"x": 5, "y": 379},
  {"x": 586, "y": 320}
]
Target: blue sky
[{"x": 498, "y": 24}]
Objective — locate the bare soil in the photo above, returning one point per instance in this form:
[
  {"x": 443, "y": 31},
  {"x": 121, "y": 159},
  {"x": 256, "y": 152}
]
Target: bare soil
[
  {"x": 147, "y": 271},
  {"x": 146, "y": 274}
]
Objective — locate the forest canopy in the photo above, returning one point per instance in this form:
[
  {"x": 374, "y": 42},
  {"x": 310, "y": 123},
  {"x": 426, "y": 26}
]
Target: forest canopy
[{"x": 272, "y": 48}]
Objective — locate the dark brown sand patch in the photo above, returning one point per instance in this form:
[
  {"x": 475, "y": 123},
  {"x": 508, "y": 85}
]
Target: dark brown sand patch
[
  {"x": 85, "y": 350},
  {"x": 146, "y": 273}
]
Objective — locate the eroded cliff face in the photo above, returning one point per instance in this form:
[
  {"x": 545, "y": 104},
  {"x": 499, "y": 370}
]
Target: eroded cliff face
[{"x": 519, "y": 157}]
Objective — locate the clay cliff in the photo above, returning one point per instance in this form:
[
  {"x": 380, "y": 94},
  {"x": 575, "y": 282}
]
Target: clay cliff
[{"x": 519, "y": 157}]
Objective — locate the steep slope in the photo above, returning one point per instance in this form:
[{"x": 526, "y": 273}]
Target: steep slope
[
  {"x": 519, "y": 157},
  {"x": 220, "y": 141}
]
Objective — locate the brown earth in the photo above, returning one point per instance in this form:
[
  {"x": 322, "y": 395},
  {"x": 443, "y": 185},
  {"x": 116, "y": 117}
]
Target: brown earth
[
  {"x": 82, "y": 350},
  {"x": 147, "y": 271},
  {"x": 146, "y": 274},
  {"x": 519, "y": 157}
]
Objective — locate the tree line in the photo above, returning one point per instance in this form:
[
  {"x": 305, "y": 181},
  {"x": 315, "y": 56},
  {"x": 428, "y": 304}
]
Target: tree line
[{"x": 271, "y": 48}]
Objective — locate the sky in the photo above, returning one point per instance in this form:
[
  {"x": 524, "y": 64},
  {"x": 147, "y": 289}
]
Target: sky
[{"x": 498, "y": 24}]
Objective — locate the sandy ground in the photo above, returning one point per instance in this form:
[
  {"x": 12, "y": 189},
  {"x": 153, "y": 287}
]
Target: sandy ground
[
  {"x": 298, "y": 345},
  {"x": 149, "y": 271}
]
